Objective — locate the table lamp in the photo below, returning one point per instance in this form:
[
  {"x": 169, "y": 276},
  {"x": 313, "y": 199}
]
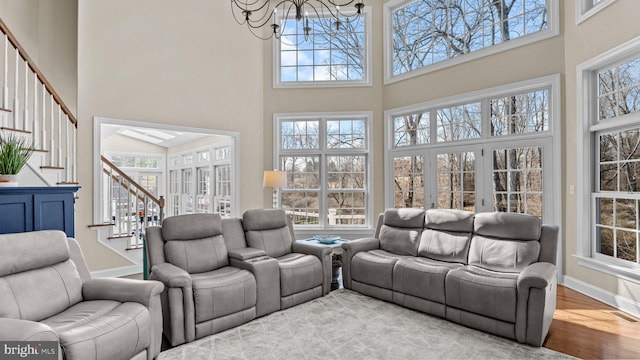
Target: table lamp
[{"x": 274, "y": 179}]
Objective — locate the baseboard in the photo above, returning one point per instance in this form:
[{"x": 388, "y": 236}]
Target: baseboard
[
  {"x": 607, "y": 297},
  {"x": 117, "y": 272}
]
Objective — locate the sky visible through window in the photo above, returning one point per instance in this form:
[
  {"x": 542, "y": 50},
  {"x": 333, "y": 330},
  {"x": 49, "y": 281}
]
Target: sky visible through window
[{"x": 326, "y": 55}]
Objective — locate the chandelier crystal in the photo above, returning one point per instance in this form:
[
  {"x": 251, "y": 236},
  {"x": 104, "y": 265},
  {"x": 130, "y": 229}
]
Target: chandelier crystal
[{"x": 259, "y": 14}]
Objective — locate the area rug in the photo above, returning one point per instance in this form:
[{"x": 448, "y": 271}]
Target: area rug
[{"x": 347, "y": 325}]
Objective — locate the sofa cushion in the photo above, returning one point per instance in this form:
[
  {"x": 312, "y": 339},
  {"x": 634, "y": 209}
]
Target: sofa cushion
[
  {"x": 191, "y": 226},
  {"x": 374, "y": 267},
  {"x": 511, "y": 226},
  {"x": 484, "y": 292},
  {"x": 449, "y": 220},
  {"x": 275, "y": 242},
  {"x": 503, "y": 255},
  {"x": 404, "y": 218},
  {"x": 422, "y": 277},
  {"x": 401, "y": 230},
  {"x": 197, "y": 255},
  {"x": 299, "y": 272},
  {"x": 23, "y": 251},
  {"x": 223, "y": 292},
  {"x": 445, "y": 245},
  {"x": 88, "y": 328},
  {"x": 268, "y": 229},
  {"x": 40, "y": 293}
]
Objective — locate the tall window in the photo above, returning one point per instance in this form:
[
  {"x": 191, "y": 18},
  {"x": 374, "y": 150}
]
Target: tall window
[
  {"x": 201, "y": 181},
  {"x": 327, "y": 161},
  {"x": 488, "y": 151},
  {"x": 587, "y": 8},
  {"x": 327, "y": 56},
  {"x": 611, "y": 114},
  {"x": 422, "y": 33}
]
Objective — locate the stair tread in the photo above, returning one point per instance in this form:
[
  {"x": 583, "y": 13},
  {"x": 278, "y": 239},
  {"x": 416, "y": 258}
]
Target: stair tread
[
  {"x": 99, "y": 225},
  {"x": 134, "y": 247},
  {"x": 15, "y": 130},
  {"x": 52, "y": 167},
  {"x": 119, "y": 237},
  {"x": 68, "y": 183},
  {"x": 5, "y": 110}
]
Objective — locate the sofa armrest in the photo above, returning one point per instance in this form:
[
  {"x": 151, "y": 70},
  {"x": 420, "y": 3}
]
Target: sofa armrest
[
  {"x": 323, "y": 253},
  {"x": 350, "y": 249},
  {"x": 25, "y": 330},
  {"x": 537, "y": 275},
  {"x": 304, "y": 247},
  {"x": 267, "y": 273},
  {"x": 171, "y": 275},
  {"x": 246, "y": 253},
  {"x": 123, "y": 290},
  {"x": 536, "y": 303}
]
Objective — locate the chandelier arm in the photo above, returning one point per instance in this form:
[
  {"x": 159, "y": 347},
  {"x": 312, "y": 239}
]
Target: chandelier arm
[{"x": 250, "y": 6}]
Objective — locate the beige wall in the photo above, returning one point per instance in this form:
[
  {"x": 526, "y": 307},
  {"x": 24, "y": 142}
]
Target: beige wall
[
  {"x": 607, "y": 29},
  {"x": 48, "y": 32},
  {"x": 165, "y": 62}
]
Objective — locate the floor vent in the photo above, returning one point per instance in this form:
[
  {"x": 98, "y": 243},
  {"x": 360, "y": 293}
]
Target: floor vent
[{"x": 623, "y": 316}]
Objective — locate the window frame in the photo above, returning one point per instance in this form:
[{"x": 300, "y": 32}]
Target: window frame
[
  {"x": 588, "y": 127},
  {"x": 367, "y": 81},
  {"x": 553, "y": 13},
  {"x": 586, "y": 9},
  {"x": 322, "y": 152},
  {"x": 552, "y": 138}
]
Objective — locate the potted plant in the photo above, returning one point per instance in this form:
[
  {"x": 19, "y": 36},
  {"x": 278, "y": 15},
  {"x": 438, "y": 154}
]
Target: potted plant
[{"x": 15, "y": 151}]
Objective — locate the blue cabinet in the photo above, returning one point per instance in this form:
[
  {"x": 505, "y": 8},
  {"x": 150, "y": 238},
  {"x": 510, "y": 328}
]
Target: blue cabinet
[{"x": 27, "y": 208}]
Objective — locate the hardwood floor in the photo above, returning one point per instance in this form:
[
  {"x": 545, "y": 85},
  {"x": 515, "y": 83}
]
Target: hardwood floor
[{"x": 588, "y": 329}]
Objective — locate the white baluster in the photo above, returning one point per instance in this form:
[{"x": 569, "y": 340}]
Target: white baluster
[
  {"x": 5, "y": 74},
  {"x": 128, "y": 213},
  {"x": 67, "y": 165},
  {"x": 43, "y": 138},
  {"x": 74, "y": 149},
  {"x": 34, "y": 125},
  {"x": 25, "y": 118},
  {"x": 110, "y": 192},
  {"x": 52, "y": 150},
  {"x": 15, "y": 93},
  {"x": 59, "y": 135}
]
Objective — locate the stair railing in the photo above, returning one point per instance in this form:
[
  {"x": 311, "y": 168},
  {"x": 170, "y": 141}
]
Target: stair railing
[
  {"x": 130, "y": 208},
  {"x": 36, "y": 110}
]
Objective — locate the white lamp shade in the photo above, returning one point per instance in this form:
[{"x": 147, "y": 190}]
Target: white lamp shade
[{"x": 275, "y": 179}]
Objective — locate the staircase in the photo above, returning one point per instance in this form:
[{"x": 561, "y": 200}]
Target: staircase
[
  {"x": 127, "y": 209},
  {"x": 31, "y": 108}
]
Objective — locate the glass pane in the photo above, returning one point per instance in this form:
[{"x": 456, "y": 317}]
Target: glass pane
[
  {"x": 618, "y": 87},
  {"x": 408, "y": 182},
  {"x": 459, "y": 122},
  {"x": 629, "y": 145},
  {"x": 300, "y": 134},
  {"x": 608, "y": 147},
  {"x": 350, "y": 134},
  {"x": 604, "y": 211},
  {"x": 519, "y": 114},
  {"x": 345, "y": 208},
  {"x": 629, "y": 176},
  {"x": 609, "y": 177},
  {"x": 302, "y": 207},
  {"x": 626, "y": 245},
  {"x": 604, "y": 241},
  {"x": 411, "y": 129},
  {"x": 346, "y": 172},
  {"x": 534, "y": 205},
  {"x": 447, "y": 29},
  {"x": 626, "y": 213},
  {"x": 519, "y": 188},
  {"x": 456, "y": 180},
  {"x": 303, "y": 172}
]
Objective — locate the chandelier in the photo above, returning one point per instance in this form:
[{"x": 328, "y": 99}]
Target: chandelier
[{"x": 259, "y": 14}]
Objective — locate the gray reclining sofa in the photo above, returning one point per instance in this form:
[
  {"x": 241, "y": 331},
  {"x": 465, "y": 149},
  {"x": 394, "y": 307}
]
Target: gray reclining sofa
[
  {"x": 220, "y": 273},
  {"x": 47, "y": 294},
  {"x": 491, "y": 271}
]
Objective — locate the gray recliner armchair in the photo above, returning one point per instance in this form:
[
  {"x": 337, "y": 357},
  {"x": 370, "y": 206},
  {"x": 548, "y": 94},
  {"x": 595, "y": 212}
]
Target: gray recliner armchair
[
  {"x": 305, "y": 269},
  {"x": 47, "y": 294},
  {"x": 204, "y": 294}
]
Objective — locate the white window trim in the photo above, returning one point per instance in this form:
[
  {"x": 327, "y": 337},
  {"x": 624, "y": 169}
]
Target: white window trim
[
  {"x": 585, "y": 9},
  {"x": 552, "y": 81},
  {"x": 344, "y": 230},
  {"x": 587, "y": 115},
  {"x": 97, "y": 170},
  {"x": 367, "y": 81},
  {"x": 553, "y": 13}
]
